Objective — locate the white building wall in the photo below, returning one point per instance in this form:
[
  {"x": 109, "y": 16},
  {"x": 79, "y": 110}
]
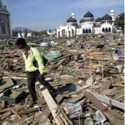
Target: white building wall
[
  {"x": 79, "y": 31},
  {"x": 87, "y": 25},
  {"x": 59, "y": 31},
  {"x": 84, "y": 26},
  {"x": 106, "y": 25},
  {"x": 29, "y": 34},
  {"x": 69, "y": 30},
  {"x": 97, "y": 30}
]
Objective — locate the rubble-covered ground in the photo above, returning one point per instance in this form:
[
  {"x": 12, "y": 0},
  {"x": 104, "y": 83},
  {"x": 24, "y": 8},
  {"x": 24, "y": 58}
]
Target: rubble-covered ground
[{"x": 72, "y": 64}]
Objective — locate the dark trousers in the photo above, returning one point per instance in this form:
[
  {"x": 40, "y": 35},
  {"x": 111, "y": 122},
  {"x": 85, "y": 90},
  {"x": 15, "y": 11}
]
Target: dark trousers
[{"x": 32, "y": 78}]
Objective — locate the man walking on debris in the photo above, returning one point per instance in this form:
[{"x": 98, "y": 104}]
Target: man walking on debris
[{"x": 34, "y": 67}]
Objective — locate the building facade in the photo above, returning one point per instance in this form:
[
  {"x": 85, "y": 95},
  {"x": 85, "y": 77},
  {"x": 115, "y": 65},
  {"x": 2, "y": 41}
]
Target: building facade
[
  {"x": 87, "y": 25},
  {"x": 5, "y": 30},
  {"x": 68, "y": 30}
]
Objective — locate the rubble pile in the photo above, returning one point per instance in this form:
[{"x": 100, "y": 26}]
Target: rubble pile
[
  {"x": 85, "y": 72},
  {"x": 9, "y": 57}
]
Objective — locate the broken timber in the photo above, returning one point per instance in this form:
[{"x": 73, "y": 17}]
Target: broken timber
[
  {"x": 109, "y": 101},
  {"x": 102, "y": 98},
  {"x": 58, "y": 114},
  {"x": 98, "y": 101}
]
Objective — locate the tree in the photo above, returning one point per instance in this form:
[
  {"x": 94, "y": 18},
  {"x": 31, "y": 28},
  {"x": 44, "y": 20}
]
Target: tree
[{"x": 119, "y": 22}]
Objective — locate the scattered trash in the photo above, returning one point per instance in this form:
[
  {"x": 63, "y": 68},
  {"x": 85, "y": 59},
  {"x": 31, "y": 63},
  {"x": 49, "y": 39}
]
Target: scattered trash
[
  {"x": 53, "y": 55},
  {"x": 73, "y": 110}
]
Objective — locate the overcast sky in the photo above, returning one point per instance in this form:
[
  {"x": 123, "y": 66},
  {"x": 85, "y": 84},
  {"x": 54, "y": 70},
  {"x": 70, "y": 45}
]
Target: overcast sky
[{"x": 41, "y": 14}]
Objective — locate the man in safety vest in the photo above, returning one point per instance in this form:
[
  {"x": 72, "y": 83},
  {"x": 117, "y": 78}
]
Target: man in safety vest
[{"x": 34, "y": 67}]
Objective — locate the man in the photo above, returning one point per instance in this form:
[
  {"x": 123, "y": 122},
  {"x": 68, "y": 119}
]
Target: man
[
  {"x": 116, "y": 55},
  {"x": 34, "y": 67}
]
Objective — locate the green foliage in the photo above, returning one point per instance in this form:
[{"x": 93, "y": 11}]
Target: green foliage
[{"x": 119, "y": 22}]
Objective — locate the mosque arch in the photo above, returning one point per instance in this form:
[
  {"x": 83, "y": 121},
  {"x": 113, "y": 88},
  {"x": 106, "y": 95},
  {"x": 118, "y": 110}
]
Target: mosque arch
[
  {"x": 106, "y": 29},
  {"x": 58, "y": 34},
  {"x": 83, "y": 30},
  {"x": 63, "y": 33},
  {"x": 89, "y": 30},
  {"x": 103, "y": 29},
  {"x": 73, "y": 32},
  {"x": 86, "y": 30},
  {"x": 109, "y": 29},
  {"x": 69, "y": 33}
]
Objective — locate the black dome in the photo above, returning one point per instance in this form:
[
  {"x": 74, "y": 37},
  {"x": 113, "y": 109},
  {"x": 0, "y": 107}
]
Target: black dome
[
  {"x": 88, "y": 14},
  {"x": 99, "y": 19},
  {"x": 71, "y": 19},
  {"x": 86, "y": 19},
  {"x": 82, "y": 20},
  {"x": 107, "y": 17}
]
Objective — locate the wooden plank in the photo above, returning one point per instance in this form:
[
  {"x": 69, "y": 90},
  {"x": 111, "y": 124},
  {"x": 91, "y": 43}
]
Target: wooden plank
[
  {"x": 58, "y": 114},
  {"x": 109, "y": 101},
  {"x": 95, "y": 101}
]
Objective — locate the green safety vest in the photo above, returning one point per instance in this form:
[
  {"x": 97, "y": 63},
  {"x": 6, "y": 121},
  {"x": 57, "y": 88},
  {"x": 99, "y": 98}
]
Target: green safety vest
[{"x": 34, "y": 55}]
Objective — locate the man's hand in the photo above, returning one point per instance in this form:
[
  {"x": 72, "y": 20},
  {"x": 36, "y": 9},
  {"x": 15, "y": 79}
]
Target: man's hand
[{"x": 42, "y": 76}]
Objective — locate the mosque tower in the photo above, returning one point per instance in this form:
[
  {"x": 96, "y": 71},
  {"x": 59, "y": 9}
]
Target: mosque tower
[{"x": 5, "y": 30}]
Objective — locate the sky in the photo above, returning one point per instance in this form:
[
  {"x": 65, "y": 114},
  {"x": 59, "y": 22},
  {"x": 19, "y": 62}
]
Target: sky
[{"x": 45, "y": 14}]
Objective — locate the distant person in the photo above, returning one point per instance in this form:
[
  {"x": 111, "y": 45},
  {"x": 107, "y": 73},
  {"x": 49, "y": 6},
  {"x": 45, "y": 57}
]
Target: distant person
[
  {"x": 116, "y": 55},
  {"x": 34, "y": 67}
]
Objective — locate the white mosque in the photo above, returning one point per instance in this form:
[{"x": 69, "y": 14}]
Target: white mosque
[{"x": 87, "y": 25}]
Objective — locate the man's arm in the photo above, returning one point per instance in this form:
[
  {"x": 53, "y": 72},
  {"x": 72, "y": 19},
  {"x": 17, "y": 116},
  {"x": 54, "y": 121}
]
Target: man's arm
[{"x": 39, "y": 60}]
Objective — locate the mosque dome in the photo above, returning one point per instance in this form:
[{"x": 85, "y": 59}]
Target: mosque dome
[
  {"x": 87, "y": 17},
  {"x": 88, "y": 14},
  {"x": 72, "y": 19},
  {"x": 99, "y": 19},
  {"x": 107, "y": 17}
]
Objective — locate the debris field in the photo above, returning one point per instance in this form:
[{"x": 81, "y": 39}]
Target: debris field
[{"x": 88, "y": 78}]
